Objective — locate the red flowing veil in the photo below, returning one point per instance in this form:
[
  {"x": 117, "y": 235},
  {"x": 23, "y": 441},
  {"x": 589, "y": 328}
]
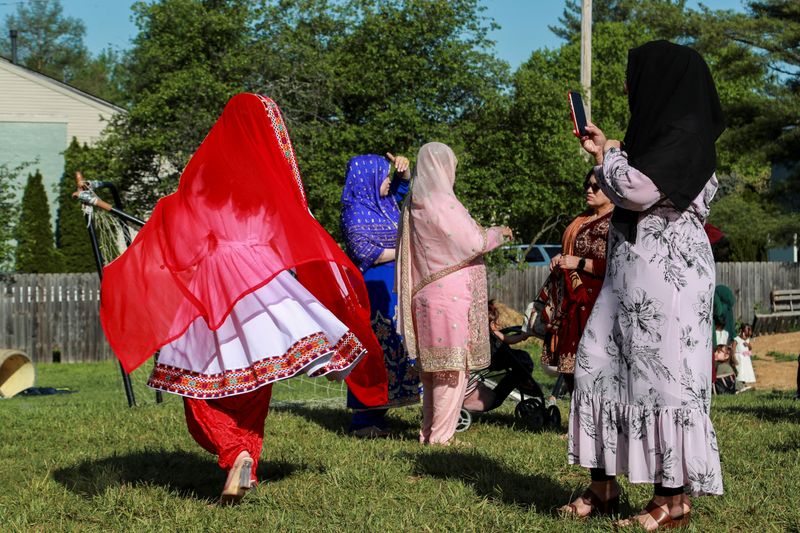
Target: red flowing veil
[{"x": 239, "y": 218}]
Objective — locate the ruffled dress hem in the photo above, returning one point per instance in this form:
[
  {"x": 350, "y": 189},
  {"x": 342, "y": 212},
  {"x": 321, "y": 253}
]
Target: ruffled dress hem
[{"x": 674, "y": 446}]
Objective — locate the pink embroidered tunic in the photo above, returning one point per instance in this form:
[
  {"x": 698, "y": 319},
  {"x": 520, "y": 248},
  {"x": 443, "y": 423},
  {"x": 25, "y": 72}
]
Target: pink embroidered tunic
[
  {"x": 451, "y": 314},
  {"x": 441, "y": 278}
]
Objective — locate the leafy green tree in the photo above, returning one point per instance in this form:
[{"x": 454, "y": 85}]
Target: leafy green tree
[
  {"x": 525, "y": 167},
  {"x": 36, "y": 251},
  {"x": 187, "y": 60},
  {"x": 51, "y": 43},
  {"x": 663, "y": 18},
  {"x": 351, "y": 77},
  {"x": 8, "y": 214},
  {"x": 47, "y": 41},
  {"x": 400, "y": 74},
  {"x": 752, "y": 223},
  {"x": 100, "y": 76},
  {"x": 72, "y": 240}
]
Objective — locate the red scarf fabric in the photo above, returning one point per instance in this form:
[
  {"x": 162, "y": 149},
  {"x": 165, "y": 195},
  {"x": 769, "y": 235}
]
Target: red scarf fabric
[{"x": 238, "y": 218}]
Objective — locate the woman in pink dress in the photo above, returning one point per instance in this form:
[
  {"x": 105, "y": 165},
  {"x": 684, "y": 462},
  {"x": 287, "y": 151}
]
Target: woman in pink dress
[{"x": 441, "y": 286}]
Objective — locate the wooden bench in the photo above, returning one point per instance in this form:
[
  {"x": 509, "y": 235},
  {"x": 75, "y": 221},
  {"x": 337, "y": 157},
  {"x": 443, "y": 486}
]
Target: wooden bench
[{"x": 785, "y": 315}]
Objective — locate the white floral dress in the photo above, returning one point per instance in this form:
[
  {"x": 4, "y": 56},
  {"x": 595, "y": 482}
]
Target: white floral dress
[{"x": 643, "y": 369}]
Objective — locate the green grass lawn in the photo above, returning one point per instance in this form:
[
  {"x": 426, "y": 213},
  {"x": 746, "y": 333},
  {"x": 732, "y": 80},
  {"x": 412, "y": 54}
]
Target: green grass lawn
[{"x": 86, "y": 462}]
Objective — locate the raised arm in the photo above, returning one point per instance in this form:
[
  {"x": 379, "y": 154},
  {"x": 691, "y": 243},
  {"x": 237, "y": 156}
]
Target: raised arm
[
  {"x": 624, "y": 185},
  {"x": 497, "y": 236}
]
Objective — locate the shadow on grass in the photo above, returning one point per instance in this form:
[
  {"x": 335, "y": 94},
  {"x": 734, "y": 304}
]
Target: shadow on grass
[
  {"x": 188, "y": 474},
  {"x": 784, "y": 447},
  {"x": 338, "y": 420},
  {"x": 508, "y": 420},
  {"x": 767, "y": 413},
  {"x": 492, "y": 480}
]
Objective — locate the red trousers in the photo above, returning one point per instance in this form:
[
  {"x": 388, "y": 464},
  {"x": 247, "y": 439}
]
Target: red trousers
[{"x": 228, "y": 426}]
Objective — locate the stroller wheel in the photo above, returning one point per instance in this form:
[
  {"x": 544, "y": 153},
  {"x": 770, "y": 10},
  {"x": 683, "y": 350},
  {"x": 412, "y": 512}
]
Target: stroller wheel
[
  {"x": 530, "y": 414},
  {"x": 554, "y": 417},
  {"x": 464, "y": 421}
]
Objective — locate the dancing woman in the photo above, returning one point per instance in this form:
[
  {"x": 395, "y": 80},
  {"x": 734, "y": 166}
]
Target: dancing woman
[
  {"x": 643, "y": 374},
  {"x": 442, "y": 293},
  {"x": 370, "y": 217},
  {"x": 239, "y": 287}
]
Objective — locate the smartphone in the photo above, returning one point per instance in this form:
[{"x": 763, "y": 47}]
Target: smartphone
[{"x": 578, "y": 113}]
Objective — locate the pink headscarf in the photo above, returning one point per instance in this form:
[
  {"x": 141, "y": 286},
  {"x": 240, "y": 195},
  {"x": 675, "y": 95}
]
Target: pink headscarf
[{"x": 437, "y": 234}]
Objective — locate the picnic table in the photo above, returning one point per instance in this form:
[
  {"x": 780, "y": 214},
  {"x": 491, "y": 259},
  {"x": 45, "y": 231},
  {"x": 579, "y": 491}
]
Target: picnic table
[{"x": 784, "y": 315}]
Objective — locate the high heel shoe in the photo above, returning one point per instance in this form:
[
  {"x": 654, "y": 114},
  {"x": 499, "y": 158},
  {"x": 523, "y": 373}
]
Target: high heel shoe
[
  {"x": 239, "y": 480},
  {"x": 598, "y": 507}
]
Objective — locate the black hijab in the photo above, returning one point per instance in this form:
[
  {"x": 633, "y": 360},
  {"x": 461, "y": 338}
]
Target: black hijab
[{"x": 676, "y": 118}]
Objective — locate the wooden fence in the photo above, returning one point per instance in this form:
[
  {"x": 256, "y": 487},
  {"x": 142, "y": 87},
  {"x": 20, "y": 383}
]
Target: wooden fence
[
  {"x": 750, "y": 282},
  {"x": 53, "y": 315},
  {"x": 43, "y": 314}
]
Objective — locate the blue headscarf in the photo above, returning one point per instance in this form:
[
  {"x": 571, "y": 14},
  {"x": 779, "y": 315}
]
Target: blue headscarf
[{"x": 369, "y": 221}]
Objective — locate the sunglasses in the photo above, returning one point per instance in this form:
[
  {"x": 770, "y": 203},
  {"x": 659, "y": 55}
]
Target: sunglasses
[{"x": 589, "y": 185}]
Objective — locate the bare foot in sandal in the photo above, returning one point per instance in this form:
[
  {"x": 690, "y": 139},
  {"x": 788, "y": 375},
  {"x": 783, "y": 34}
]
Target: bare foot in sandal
[
  {"x": 600, "y": 499},
  {"x": 662, "y": 512}
]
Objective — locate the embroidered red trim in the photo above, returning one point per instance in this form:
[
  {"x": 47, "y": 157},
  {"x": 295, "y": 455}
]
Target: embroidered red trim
[
  {"x": 308, "y": 349},
  {"x": 283, "y": 140}
]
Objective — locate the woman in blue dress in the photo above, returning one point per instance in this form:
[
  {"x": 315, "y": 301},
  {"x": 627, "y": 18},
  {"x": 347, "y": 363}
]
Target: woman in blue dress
[{"x": 370, "y": 215}]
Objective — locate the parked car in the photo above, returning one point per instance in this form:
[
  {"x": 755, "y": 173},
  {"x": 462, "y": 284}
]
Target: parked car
[{"x": 538, "y": 255}]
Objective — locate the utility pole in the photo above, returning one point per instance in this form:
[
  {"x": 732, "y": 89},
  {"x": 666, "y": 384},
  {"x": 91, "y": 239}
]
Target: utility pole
[{"x": 586, "y": 56}]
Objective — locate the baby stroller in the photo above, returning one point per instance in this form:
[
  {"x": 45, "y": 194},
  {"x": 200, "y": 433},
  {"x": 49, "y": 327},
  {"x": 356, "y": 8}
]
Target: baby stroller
[{"x": 508, "y": 375}]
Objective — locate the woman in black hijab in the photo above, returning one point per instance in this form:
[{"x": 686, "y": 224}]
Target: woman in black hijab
[{"x": 643, "y": 371}]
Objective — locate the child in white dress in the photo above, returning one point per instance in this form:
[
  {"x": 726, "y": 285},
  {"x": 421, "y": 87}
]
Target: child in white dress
[{"x": 746, "y": 377}]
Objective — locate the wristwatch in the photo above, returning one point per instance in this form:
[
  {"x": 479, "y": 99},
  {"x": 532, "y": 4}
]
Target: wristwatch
[{"x": 581, "y": 263}]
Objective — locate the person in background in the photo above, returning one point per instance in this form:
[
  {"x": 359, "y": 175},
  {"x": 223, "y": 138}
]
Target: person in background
[
  {"x": 370, "y": 215},
  {"x": 797, "y": 384},
  {"x": 745, "y": 376},
  {"x": 724, "y": 303},
  {"x": 725, "y": 382},
  {"x": 518, "y": 363},
  {"x": 578, "y": 274},
  {"x": 721, "y": 338},
  {"x": 442, "y": 291}
]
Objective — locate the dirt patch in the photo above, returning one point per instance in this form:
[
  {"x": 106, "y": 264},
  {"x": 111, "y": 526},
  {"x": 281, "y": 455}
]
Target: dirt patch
[{"x": 772, "y": 374}]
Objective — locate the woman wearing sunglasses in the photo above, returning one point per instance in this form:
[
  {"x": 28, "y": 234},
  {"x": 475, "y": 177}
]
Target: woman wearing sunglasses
[{"x": 581, "y": 268}]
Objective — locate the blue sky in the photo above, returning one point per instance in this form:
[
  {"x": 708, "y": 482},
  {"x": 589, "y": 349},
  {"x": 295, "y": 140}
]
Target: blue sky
[{"x": 524, "y": 23}]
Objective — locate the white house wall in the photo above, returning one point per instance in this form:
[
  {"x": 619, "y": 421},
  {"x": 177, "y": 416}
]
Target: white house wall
[{"x": 39, "y": 117}]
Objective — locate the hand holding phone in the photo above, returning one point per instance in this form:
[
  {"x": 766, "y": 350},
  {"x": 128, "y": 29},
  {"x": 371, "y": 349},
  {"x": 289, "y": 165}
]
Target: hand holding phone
[{"x": 578, "y": 113}]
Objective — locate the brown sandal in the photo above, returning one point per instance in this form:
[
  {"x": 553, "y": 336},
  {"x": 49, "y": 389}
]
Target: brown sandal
[
  {"x": 661, "y": 517},
  {"x": 664, "y": 519},
  {"x": 599, "y": 507}
]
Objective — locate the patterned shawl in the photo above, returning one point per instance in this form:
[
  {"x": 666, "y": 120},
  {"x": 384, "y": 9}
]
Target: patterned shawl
[{"x": 369, "y": 221}]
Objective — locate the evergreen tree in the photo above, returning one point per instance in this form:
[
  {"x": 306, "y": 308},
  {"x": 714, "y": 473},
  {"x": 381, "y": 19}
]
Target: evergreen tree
[
  {"x": 36, "y": 251},
  {"x": 71, "y": 238},
  {"x": 8, "y": 214}
]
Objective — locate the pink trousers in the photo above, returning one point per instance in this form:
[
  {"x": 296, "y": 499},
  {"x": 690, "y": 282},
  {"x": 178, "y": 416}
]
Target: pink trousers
[{"x": 442, "y": 395}]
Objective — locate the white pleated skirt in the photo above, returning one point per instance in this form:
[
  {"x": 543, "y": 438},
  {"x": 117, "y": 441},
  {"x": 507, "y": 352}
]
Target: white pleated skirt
[{"x": 276, "y": 332}]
